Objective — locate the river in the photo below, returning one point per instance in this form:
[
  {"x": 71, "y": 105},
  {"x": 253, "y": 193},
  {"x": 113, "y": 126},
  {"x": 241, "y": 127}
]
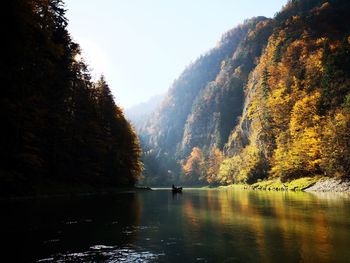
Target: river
[{"x": 195, "y": 226}]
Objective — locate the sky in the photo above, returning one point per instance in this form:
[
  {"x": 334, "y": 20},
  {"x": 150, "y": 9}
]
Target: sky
[{"x": 142, "y": 46}]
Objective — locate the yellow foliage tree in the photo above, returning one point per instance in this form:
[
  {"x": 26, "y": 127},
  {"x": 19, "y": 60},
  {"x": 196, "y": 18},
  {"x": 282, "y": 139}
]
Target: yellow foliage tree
[
  {"x": 336, "y": 145},
  {"x": 215, "y": 159},
  {"x": 194, "y": 166},
  {"x": 248, "y": 166},
  {"x": 298, "y": 152},
  {"x": 229, "y": 170}
]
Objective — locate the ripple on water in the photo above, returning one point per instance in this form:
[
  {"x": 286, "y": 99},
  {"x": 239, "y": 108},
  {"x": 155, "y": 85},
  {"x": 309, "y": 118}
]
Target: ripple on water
[
  {"x": 107, "y": 254},
  {"x": 134, "y": 229}
]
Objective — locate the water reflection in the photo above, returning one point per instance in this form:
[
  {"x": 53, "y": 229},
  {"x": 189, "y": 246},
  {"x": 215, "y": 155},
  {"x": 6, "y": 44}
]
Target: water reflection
[
  {"x": 195, "y": 226},
  {"x": 45, "y": 228},
  {"x": 270, "y": 226}
]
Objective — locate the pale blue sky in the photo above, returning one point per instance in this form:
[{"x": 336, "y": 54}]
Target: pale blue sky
[{"x": 141, "y": 46}]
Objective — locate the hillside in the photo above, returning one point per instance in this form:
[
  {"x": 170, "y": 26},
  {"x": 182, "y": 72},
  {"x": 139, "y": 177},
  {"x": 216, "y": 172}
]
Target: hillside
[
  {"x": 163, "y": 134},
  {"x": 271, "y": 100}
]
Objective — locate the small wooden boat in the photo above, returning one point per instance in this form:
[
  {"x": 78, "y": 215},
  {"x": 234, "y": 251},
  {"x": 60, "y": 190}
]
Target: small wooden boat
[{"x": 176, "y": 189}]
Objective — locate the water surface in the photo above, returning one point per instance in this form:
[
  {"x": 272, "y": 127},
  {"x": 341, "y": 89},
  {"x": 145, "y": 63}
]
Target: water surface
[{"x": 195, "y": 226}]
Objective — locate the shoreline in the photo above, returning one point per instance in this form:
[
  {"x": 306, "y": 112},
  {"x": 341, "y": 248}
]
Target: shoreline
[{"x": 304, "y": 184}]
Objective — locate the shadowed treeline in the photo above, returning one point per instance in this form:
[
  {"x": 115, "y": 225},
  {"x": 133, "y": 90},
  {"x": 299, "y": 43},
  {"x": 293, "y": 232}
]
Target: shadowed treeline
[{"x": 59, "y": 128}]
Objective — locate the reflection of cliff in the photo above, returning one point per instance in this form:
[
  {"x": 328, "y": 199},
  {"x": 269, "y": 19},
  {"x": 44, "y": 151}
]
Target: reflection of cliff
[{"x": 299, "y": 224}]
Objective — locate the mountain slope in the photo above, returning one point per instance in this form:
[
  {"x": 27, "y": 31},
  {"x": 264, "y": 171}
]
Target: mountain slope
[
  {"x": 274, "y": 103},
  {"x": 217, "y": 108},
  {"x": 164, "y": 136},
  {"x": 170, "y": 118},
  {"x": 296, "y": 108}
]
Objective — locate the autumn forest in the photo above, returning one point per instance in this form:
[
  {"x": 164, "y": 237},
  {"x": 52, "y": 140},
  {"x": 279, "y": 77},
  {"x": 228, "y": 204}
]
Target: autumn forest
[{"x": 271, "y": 100}]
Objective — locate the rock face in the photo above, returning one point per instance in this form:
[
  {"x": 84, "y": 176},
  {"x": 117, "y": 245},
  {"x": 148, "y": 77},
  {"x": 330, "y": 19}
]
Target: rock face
[
  {"x": 331, "y": 185},
  {"x": 218, "y": 107}
]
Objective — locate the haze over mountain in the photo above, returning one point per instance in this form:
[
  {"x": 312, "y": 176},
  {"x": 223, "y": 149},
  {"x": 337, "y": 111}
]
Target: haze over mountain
[
  {"x": 139, "y": 113},
  {"x": 272, "y": 99}
]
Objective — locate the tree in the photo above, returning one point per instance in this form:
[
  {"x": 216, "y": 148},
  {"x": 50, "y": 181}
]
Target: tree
[
  {"x": 215, "y": 159},
  {"x": 194, "y": 167}
]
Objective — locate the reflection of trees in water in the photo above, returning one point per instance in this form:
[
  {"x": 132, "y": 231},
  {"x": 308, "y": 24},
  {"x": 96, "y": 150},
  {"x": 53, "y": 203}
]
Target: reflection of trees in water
[
  {"x": 302, "y": 225},
  {"x": 43, "y": 227},
  {"x": 116, "y": 218},
  {"x": 333, "y": 197}
]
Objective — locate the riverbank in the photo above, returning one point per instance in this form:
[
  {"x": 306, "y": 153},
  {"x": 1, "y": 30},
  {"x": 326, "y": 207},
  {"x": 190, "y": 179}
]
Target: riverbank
[{"x": 309, "y": 184}]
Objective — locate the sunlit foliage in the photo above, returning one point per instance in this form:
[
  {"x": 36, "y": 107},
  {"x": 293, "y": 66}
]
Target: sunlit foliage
[
  {"x": 194, "y": 167},
  {"x": 295, "y": 108}
]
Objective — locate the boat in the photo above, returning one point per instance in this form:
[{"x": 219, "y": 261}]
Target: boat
[{"x": 176, "y": 189}]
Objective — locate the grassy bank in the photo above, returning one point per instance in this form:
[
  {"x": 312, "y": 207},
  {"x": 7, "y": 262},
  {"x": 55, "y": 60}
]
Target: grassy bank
[
  {"x": 276, "y": 184},
  {"x": 294, "y": 185}
]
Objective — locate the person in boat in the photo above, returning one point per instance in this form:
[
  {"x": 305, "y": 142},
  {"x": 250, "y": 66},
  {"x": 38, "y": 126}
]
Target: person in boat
[{"x": 176, "y": 189}]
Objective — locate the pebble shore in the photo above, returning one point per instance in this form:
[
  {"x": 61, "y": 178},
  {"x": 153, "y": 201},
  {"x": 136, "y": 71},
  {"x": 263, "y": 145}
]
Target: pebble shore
[{"x": 330, "y": 185}]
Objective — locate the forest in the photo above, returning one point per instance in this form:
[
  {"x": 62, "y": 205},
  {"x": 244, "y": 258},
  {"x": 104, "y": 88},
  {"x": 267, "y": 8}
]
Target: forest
[
  {"x": 60, "y": 129},
  {"x": 271, "y": 100}
]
